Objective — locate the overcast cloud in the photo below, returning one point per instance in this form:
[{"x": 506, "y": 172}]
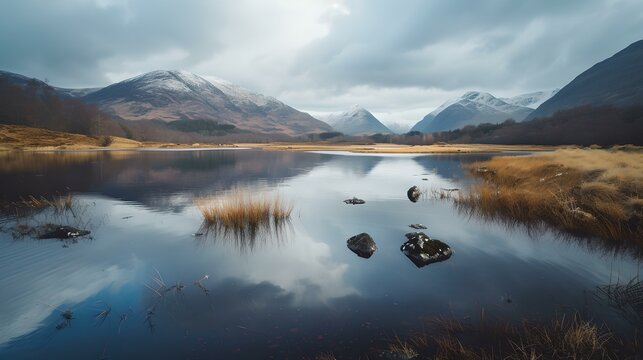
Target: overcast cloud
[{"x": 399, "y": 59}]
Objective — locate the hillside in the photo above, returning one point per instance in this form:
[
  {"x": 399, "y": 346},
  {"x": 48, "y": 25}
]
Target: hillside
[
  {"x": 616, "y": 81},
  {"x": 179, "y": 95}
]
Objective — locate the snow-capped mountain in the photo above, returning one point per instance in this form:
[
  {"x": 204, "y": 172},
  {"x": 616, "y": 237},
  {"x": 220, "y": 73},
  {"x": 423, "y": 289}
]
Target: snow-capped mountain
[
  {"x": 472, "y": 108},
  {"x": 357, "y": 121},
  {"x": 530, "y": 100},
  {"x": 398, "y": 127},
  {"x": 239, "y": 95},
  {"x": 180, "y": 95}
]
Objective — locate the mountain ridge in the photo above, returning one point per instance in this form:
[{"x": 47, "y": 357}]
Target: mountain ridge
[
  {"x": 616, "y": 81},
  {"x": 472, "y": 108}
]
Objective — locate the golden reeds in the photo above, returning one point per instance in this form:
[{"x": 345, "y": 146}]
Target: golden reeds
[
  {"x": 242, "y": 210},
  {"x": 565, "y": 337},
  {"x": 583, "y": 192}
]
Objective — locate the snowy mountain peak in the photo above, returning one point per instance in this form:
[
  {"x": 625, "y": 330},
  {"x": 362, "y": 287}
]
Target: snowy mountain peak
[
  {"x": 240, "y": 95},
  {"x": 173, "y": 80},
  {"x": 472, "y": 108},
  {"x": 356, "y": 121},
  {"x": 531, "y": 100}
]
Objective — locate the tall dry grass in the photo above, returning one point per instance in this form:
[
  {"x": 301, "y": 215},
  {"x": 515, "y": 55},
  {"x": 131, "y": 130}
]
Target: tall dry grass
[
  {"x": 585, "y": 192},
  {"x": 242, "y": 210},
  {"x": 565, "y": 337}
]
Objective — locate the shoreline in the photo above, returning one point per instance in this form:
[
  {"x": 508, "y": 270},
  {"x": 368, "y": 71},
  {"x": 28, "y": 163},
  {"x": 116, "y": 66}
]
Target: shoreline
[{"x": 22, "y": 138}]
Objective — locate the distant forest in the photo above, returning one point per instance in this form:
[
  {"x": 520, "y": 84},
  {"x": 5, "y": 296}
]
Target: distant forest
[
  {"x": 584, "y": 125},
  {"x": 39, "y": 105}
]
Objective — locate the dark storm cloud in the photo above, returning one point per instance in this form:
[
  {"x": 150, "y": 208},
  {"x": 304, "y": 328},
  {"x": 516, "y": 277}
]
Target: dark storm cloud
[
  {"x": 475, "y": 44},
  {"x": 77, "y": 42}
]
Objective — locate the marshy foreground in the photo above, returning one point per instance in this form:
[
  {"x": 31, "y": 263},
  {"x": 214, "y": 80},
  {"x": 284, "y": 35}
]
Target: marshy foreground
[
  {"x": 243, "y": 255},
  {"x": 585, "y": 192}
]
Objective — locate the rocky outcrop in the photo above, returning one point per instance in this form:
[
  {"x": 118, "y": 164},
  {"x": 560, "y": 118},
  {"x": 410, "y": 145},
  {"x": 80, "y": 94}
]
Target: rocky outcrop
[
  {"x": 422, "y": 250},
  {"x": 354, "y": 201},
  {"x": 414, "y": 193},
  {"x": 362, "y": 245},
  {"x": 51, "y": 231}
]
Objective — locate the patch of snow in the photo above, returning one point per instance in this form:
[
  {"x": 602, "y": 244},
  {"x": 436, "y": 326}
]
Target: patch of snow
[
  {"x": 531, "y": 100},
  {"x": 240, "y": 95}
]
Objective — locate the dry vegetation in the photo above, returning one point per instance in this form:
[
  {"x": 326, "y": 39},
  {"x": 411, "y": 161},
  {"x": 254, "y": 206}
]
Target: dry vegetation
[
  {"x": 242, "y": 210},
  {"x": 17, "y": 137},
  {"x": 397, "y": 148},
  {"x": 594, "y": 193},
  {"x": 565, "y": 337}
]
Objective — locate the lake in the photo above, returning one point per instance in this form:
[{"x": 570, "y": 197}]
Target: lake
[{"x": 285, "y": 294}]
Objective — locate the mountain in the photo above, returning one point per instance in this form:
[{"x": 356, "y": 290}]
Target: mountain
[
  {"x": 530, "y": 100},
  {"x": 472, "y": 108},
  {"x": 398, "y": 127},
  {"x": 357, "y": 121},
  {"x": 616, "y": 81},
  {"x": 179, "y": 95}
]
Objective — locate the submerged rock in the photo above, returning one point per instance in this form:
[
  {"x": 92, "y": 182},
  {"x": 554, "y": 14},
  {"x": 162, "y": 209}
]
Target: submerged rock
[
  {"x": 51, "y": 231},
  {"x": 362, "y": 245},
  {"x": 414, "y": 193},
  {"x": 354, "y": 201},
  {"x": 422, "y": 250},
  {"x": 417, "y": 226}
]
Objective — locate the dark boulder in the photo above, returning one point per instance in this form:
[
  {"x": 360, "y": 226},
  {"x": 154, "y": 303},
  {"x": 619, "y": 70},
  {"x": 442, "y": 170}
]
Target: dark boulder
[
  {"x": 51, "y": 231},
  {"x": 362, "y": 245},
  {"x": 422, "y": 250},
  {"x": 414, "y": 193},
  {"x": 354, "y": 201}
]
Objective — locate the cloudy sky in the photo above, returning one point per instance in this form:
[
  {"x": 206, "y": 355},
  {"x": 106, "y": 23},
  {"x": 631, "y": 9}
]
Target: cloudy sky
[{"x": 399, "y": 59}]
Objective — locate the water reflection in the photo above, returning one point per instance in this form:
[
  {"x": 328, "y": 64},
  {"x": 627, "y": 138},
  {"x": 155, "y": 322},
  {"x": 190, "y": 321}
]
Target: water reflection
[
  {"x": 265, "y": 234},
  {"x": 282, "y": 294},
  {"x": 155, "y": 179}
]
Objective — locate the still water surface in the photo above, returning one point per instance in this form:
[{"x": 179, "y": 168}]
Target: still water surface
[{"x": 283, "y": 295}]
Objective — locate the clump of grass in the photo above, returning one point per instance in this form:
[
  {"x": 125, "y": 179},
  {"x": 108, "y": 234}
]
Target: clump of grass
[
  {"x": 105, "y": 141},
  {"x": 58, "y": 203},
  {"x": 566, "y": 337},
  {"x": 243, "y": 211},
  {"x": 580, "y": 191},
  {"x": 403, "y": 348},
  {"x": 625, "y": 297}
]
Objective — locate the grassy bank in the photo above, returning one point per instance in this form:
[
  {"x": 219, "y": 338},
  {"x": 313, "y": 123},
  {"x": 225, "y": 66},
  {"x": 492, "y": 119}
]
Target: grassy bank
[
  {"x": 565, "y": 337},
  {"x": 16, "y": 137},
  {"x": 378, "y": 148},
  {"x": 585, "y": 192}
]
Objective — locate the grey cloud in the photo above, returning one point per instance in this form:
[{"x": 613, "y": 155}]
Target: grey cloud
[
  {"x": 469, "y": 44},
  {"x": 386, "y": 55},
  {"x": 77, "y": 42}
]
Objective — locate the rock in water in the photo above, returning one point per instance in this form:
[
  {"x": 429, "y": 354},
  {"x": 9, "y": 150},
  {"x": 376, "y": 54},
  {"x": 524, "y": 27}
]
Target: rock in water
[
  {"x": 354, "y": 201},
  {"x": 422, "y": 250},
  {"x": 51, "y": 231},
  {"x": 413, "y": 193},
  {"x": 362, "y": 245},
  {"x": 417, "y": 226}
]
